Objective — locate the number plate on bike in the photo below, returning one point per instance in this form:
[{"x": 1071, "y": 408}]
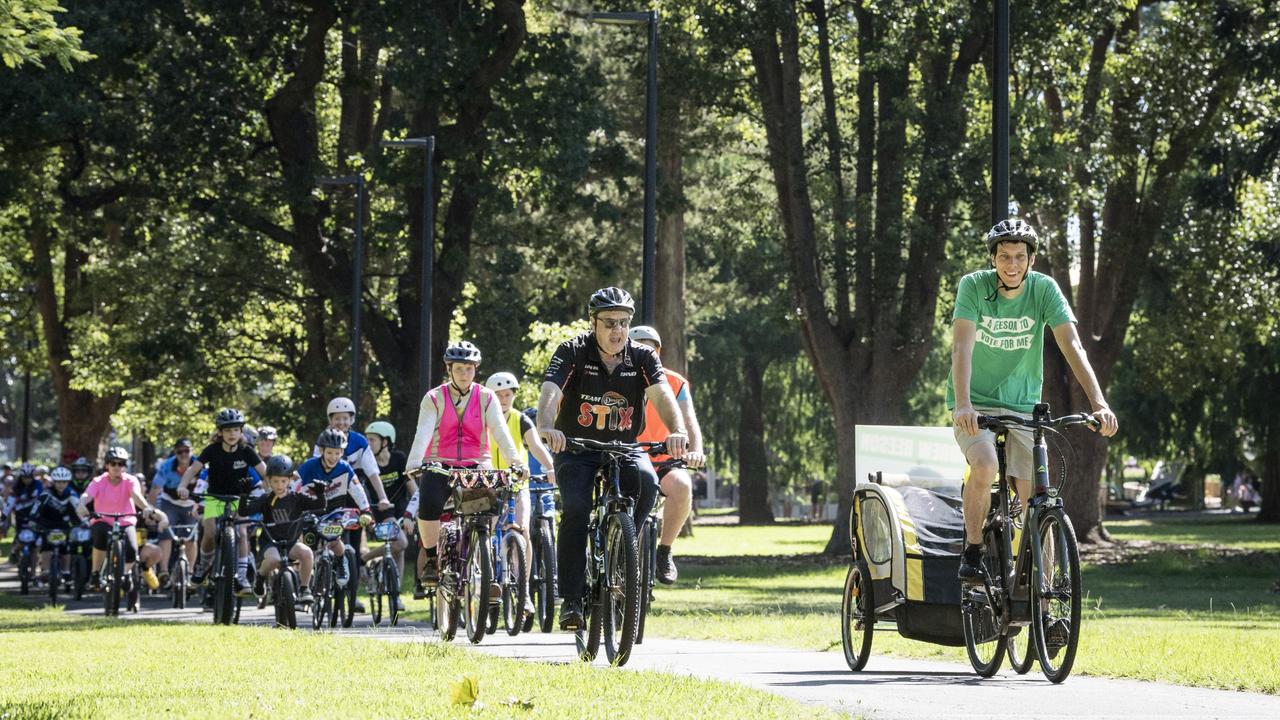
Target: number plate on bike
[
  {"x": 26, "y": 535},
  {"x": 386, "y": 530},
  {"x": 80, "y": 535},
  {"x": 331, "y": 530},
  {"x": 56, "y": 537}
]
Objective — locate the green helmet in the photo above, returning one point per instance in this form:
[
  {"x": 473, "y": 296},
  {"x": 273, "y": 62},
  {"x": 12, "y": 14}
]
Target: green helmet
[{"x": 382, "y": 428}]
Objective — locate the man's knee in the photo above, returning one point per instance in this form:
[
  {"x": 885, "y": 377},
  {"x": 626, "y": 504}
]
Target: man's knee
[{"x": 677, "y": 484}]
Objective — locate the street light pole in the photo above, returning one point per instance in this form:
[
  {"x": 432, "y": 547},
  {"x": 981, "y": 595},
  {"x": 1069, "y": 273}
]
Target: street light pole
[
  {"x": 428, "y": 255},
  {"x": 1000, "y": 116},
  {"x": 649, "y": 268},
  {"x": 357, "y": 276}
]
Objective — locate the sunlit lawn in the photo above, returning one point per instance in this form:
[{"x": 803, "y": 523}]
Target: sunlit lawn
[{"x": 1240, "y": 530}]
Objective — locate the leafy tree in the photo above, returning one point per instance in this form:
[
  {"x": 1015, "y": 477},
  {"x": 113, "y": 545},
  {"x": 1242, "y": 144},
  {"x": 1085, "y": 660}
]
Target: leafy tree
[{"x": 29, "y": 33}]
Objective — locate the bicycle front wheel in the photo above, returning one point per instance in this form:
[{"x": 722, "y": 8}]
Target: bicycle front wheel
[
  {"x": 375, "y": 591},
  {"x": 391, "y": 590},
  {"x": 514, "y": 590},
  {"x": 115, "y": 586},
  {"x": 224, "y": 579},
  {"x": 479, "y": 576},
  {"x": 546, "y": 584},
  {"x": 1056, "y": 593},
  {"x": 321, "y": 592},
  {"x": 859, "y": 613},
  {"x": 621, "y": 593},
  {"x": 55, "y": 576}
]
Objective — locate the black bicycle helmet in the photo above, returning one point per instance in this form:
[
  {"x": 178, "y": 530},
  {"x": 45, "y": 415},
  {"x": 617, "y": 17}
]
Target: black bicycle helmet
[
  {"x": 610, "y": 298},
  {"x": 230, "y": 417},
  {"x": 82, "y": 463},
  {"x": 182, "y": 442},
  {"x": 278, "y": 465},
  {"x": 331, "y": 438},
  {"x": 1012, "y": 230},
  {"x": 117, "y": 454},
  {"x": 464, "y": 352}
]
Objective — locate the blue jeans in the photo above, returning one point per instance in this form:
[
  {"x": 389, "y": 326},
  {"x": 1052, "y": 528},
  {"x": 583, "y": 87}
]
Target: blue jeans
[{"x": 575, "y": 474}]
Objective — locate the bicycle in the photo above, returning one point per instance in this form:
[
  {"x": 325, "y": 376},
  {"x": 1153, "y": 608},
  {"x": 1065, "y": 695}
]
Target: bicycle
[
  {"x": 55, "y": 541},
  {"x": 26, "y": 540},
  {"x": 327, "y": 599},
  {"x": 383, "y": 575},
  {"x": 180, "y": 567},
  {"x": 1039, "y": 585},
  {"x": 466, "y": 562},
  {"x": 611, "y": 604},
  {"x": 226, "y": 606},
  {"x": 649, "y": 535},
  {"x": 542, "y": 559},
  {"x": 114, "y": 582},
  {"x": 511, "y": 558},
  {"x": 284, "y": 580}
]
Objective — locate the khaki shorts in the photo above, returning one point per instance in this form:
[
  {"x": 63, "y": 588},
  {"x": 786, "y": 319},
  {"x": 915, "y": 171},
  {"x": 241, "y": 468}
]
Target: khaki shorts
[{"x": 1017, "y": 445}]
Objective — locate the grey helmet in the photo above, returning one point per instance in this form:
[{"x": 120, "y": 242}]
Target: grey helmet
[
  {"x": 332, "y": 438},
  {"x": 463, "y": 352},
  {"x": 278, "y": 465},
  {"x": 229, "y": 417},
  {"x": 610, "y": 298},
  {"x": 1013, "y": 229}
]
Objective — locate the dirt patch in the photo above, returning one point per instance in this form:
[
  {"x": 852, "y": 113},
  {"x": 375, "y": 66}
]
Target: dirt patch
[{"x": 1119, "y": 553}]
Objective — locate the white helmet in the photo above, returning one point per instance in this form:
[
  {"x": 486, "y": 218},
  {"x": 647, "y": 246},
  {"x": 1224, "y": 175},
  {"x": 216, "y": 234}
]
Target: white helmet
[
  {"x": 61, "y": 474},
  {"x": 502, "y": 381},
  {"x": 644, "y": 332},
  {"x": 341, "y": 404}
]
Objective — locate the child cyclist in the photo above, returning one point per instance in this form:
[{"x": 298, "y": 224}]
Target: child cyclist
[
  {"x": 55, "y": 510},
  {"x": 281, "y": 509},
  {"x": 228, "y": 459},
  {"x": 340, "y": 489},
  {"x": 399, "y": 488},
  {"x": 115, "y": 492}
]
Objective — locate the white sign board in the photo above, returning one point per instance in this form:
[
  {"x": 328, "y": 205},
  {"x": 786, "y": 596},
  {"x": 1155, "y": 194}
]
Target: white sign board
[{"x": 923, "y": 453}]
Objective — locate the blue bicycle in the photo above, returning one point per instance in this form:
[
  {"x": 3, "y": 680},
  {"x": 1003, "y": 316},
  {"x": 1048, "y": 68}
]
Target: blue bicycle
[
  {"x": 511, "y": 562},
  {"x": 542, "y": 556}
]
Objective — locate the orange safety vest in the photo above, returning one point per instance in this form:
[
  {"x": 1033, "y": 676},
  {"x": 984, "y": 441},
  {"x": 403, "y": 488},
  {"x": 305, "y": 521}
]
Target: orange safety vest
[{"x": 654, "y": 429}]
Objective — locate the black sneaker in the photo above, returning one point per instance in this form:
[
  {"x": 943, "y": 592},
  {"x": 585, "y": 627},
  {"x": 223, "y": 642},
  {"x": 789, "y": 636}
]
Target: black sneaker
[
  {"x": 357, "y": 606},
  {"x": 971, "y": 565},
  {"x": 95, "y": 582},
  {"x": 197, "y": 578},
  {"x": 1056, "y": 634},
  {"x": 666, "y": 568},
  {"x": 259, "y": 585},
  {"x": 571, "y": 615},
  {"x": 419, "y": 592}
]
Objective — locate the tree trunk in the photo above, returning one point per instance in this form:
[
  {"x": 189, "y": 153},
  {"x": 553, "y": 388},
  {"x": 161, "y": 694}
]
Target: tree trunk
[
  {"x": 753, "y": 464},
  {"x": 1270, "y": 512},
  {"x": 669, "y": 307}
]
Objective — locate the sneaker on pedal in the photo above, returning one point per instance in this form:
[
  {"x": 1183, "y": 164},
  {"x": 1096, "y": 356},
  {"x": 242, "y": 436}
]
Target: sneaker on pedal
[
  {"x": 419, "y": 592},
  {"x": 243, "y": 587},
  {"x": 95, "y": 582},
  {"x": 571, "y": 615},
  {"x": 259, "y": 585},
  {"x": 357, "y": 606},
  {"x": 529, "y": 608},
  {"x": 665, "y": 570},
  {"x": 197, "y": 578},
  {"x": 164, "y": 581},
  {"x": 304, "y": 595},
  {"x": 971, "y": 565},
  {"x": 1056, "y": 634},
  {"x": 149, "y": 577},
  {"x": 495, "y": 591}
]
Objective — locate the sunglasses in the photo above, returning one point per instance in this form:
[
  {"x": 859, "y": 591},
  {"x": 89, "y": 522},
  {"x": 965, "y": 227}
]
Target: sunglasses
[
  {"x": 184, "y": 451},
  {"x": 115, "y": 463},
  {"x": 611, "y": 323}
]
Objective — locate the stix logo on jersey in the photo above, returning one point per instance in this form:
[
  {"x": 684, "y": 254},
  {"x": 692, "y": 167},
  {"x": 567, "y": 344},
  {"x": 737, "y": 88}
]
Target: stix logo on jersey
[{"x": 611, "y": 412}]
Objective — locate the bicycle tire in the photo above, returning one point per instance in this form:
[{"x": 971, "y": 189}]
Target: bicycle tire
[
  {"x": 858, "y": 616},
  {"x": 286, "y": 600},
  {"x": 621, "y": 597},
  {"x": 391, "y": 588},
  {"x": 178, "y": 583},
  {"x": 980, "y": 610},
  {"x": 224, "y": 578},
  {"x": 24, "y": 570},
  {"x": 479, "y": 576},
  {"x": 55, "y": 576},
  {"x": 547, "y": 586},
  {"x": 587, "y": 640},
  {"x": 449, "y": 612},
  {"x": 79, "y": 575},
  {"x": 321, "y": 601},
  {"x": 1020, "y": 658},
  {"x": 1055, "y": 527},
  {"x": 352, "y": 590},
  {"x": 648, "y": 561},
  {"x": 114, "y": 588},
  {"x": 515, "y": 558},
  {"x": 375, "y": 591}
]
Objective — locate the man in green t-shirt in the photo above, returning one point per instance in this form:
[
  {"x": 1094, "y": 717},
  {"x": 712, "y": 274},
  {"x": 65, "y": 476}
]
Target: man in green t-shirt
[{"x": 997, "y": 367}]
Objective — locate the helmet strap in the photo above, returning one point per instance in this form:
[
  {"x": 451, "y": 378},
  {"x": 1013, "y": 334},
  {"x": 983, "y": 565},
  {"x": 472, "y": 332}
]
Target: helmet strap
[
  {"x": 460, "y": 393},
  {"x": 602, "y": 352}
]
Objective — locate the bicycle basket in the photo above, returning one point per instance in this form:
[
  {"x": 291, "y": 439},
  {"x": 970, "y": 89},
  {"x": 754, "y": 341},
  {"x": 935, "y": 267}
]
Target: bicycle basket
[
  {"x": 80, "y": 534},
  {"x": 476, "y": 500},
  {"x": 55, "y": 537},
  {"x": 386, "y": 530},
  {"x": 26, "y": 535}
]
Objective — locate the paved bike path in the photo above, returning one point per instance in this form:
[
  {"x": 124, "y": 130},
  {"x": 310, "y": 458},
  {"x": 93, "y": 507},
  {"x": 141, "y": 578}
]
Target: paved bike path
[{"x": 888, "y": 688}]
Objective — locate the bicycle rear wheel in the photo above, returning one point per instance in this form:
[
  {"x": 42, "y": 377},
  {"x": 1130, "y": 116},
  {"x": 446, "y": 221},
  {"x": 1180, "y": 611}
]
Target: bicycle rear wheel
[
  {"x": 982, "y": 610},
  {"x": 178, "y": 582},
  {"x": 115, "y": 567},
  {"x": 286, "y": 598},
  {"x": 1056, "y": 593},
  {"x": 1021, "y": 649},
  {"x": 79, "y": 575},
  {"x": 24, "y": 570},
  {"x": 352, "y": 590},
  {"x": 391, "y": 590},
  {"x": 858, "y": 609},
  {"x": 620, "y": 598},
  {"x": 648, "y": 560},
  {"x": 546, "y": 598},
  {"x": 55, "y": 576}
]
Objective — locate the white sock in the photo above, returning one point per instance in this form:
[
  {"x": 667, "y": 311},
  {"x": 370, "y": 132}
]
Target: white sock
[{"x": 242, "y": 568}]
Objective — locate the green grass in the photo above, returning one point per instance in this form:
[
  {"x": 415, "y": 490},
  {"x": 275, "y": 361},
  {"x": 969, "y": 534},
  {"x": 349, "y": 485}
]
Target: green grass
[
  {"x": 1192, "y": 618},
  {"x": 63, "y": 666},
  {"x": 741, "y": 540},
  {"x": 1234, "y": 530}
]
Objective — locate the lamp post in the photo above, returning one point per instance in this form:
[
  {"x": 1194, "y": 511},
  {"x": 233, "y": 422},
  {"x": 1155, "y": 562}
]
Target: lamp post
[
  {"x": 649, "y": 282},
  {"x": 428, "y": 255},
  {"x": 357, "y": 275},
  {"x": 1000, "y": 116}
]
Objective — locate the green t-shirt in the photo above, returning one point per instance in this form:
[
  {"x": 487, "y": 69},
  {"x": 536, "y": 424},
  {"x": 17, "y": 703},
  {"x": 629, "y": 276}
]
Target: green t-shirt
[{"x": 1008, "y": 352}]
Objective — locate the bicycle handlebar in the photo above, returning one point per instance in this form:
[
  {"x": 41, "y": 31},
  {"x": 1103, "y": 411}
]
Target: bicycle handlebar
[
  {"x": 1002, "y": 422},
  {"x": 613, "y": 446}
]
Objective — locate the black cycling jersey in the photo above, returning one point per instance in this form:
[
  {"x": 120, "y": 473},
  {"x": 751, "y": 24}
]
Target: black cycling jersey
[
  {"x": 393, "y": 480},
  {"x": 598, "y": 404},
  {"x": 281, "y": 510},
  {"x": 53, "y": 510},
  {"x": 228, "y": 471}
]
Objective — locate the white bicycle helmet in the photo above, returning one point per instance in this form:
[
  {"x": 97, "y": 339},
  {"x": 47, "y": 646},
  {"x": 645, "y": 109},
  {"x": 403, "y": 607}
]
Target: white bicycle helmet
[
  {"x": 341, "y": 404},
  {"x": 61, "y": 474},
  {"x": 645, "y": 332},
  {"x": 502, "y": 381}
]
